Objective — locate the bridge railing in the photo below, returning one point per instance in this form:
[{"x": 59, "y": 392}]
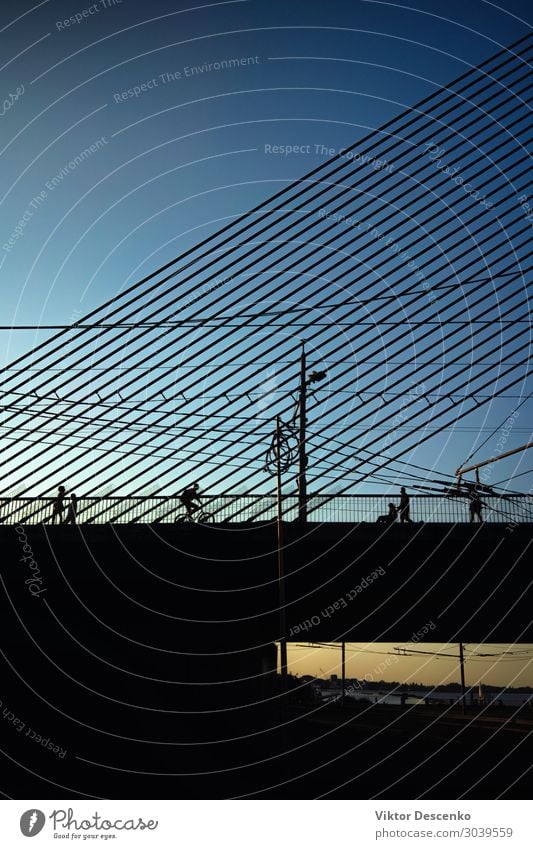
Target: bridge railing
[{"x": 262, "y": 508}]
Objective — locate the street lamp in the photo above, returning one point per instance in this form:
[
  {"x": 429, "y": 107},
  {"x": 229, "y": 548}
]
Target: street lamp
[
  {"x": 305, "y": 381},
  {"x": 281, "y": 454}
]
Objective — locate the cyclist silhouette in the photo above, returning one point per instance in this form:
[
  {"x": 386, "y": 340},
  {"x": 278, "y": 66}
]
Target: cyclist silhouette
[{"x": 188, "y": 498}]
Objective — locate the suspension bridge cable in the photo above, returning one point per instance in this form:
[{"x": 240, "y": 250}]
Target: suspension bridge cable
[{"x": 473, "y": 72}]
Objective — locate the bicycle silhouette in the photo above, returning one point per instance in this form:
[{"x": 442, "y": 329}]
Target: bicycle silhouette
[{"x": 200, "y": 517}]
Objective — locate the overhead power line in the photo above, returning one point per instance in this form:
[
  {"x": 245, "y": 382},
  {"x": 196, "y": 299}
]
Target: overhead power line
[{"x": 285, "y": 246}]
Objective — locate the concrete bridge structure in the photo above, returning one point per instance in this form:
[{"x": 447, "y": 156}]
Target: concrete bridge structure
[
  {"x": 146, "y": 651},
  {"x": 205, "y": 586}
]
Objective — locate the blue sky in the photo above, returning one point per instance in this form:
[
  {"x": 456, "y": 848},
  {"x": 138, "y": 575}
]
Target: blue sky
[{"x": 180, "y": 145}]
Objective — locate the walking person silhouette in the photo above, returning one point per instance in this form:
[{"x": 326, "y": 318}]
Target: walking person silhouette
[
  {"x": 404, "y": 506},
  {"x": 475, "y": 505},
  {"x": 72, "y": 510},
  {"x": 58, "y": 505}
]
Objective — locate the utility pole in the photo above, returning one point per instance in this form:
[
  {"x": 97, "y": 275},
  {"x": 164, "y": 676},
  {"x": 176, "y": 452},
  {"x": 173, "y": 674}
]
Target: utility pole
[
  {"x": 281, "y": 568},
  {"x": 305, "y": 381},
  {"x": 407, "y": 652},
  {"x": 273, "y": 457},
  {"x": 302, "y": 456},
  {"x": 343, "y": 671}
]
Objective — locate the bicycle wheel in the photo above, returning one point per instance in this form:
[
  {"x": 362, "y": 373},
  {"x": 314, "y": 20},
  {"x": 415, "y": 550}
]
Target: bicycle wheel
[{"x": 205, "y": 518}]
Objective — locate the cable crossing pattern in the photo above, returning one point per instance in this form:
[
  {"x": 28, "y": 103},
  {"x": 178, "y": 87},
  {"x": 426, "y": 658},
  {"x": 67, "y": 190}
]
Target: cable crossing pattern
[{"x": 408, "y": 286}]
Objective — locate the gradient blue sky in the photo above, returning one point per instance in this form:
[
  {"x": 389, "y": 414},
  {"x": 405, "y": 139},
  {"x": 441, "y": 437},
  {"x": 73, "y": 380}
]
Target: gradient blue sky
[
  {"x": 186, "y": 154},
  {"x": 394, "y": 58}
]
